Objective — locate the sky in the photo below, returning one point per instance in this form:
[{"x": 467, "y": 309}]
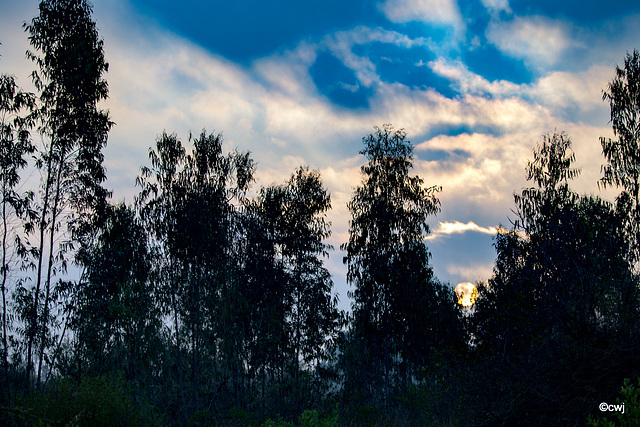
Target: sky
[{"x": 475, "y": 84}]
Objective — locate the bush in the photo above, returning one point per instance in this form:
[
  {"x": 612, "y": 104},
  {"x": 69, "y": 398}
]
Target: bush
[{"x": 94, "y": 401}]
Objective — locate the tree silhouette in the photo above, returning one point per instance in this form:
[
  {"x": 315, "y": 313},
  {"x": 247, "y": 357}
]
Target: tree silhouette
[
  {"x": 117, "y": 320},
  {"x": 70, "y": 60},
  {"x": 15, "y": 145},
  {"x": 622, "y": 155},
  {"x": 550, "y": 321},
  {"x": 186, "y": 203},
  {"x": 396, "y": 299}
]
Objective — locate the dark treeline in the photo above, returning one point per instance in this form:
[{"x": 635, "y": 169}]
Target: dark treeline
[{"x": 201, "y": 305}]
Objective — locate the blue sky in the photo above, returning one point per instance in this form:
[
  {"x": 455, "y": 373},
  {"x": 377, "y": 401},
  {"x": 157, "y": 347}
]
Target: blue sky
[{"x": 474, "y": 83}]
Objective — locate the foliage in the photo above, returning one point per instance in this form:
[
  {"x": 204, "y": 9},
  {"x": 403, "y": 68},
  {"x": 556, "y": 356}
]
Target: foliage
[
  {"x": 15, "y": 145},
  {"x": 308, "y": 418},
  {"x": 623, "y": 168},
  {"x": 186, "y": 203},
  {"x": 550, "y": 323},
  {"x": 103, "y": 400},
  {"x": 70, "y": 64},
  {"x": 399, "y": 311},
  {"x": 291, "y": 315},
  {"x": 117, "y": 319}
]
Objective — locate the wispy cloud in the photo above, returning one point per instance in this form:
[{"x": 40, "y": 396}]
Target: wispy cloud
[
  {"x": 470, "y": 272},
  {"x": 497, "y": 5},
  {"x": 538, "y": 39},
  {"x": 432, "y": 11}
]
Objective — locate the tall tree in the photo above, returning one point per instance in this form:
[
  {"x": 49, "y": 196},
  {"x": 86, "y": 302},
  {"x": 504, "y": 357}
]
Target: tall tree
[
  {"x": 623, "y": 154},
  {"x": 554, "y": 325},
  {"x": 156, "y": 204},
  {"x": 262, "y": 290},
  {"x": 290, "y": 315},
  {"x": 70, "y": 59},
  {"x": 186, "y": 201},
  {"x": 395, "y": 295},
  {"x": 313, "y": 317},
  {"x": 15, "y": 144}
]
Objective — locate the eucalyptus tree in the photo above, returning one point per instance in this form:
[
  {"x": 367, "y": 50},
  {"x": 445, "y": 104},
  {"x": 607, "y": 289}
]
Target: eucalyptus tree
[
  {"x": 554, "y": 325},
  {"x": 290, "y": 315},
  {"x": 70, "y": 64},
  {"x": 623, "y": 154},
  {"x": 117, "y": 320},
  {"x": 212, "y": 183},
  {"x": 187, "y": 202},
  {"x": 396, "y": 299},
  {"x": 15, "y": 145},
  {"x": 313, "y": 318},
  {"x": 156, "y": 205}
]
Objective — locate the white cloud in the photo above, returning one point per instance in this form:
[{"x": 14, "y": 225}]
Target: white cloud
[
  {"x": 472, "y": 273},
  {"x": 574, "y": 90},
  {"x": 538, "y": 39},
  {"x": 430, "y": 11},
  {"x": 497, "y": 5},
  {"x": 271, "y": 107},
  {"x": 456, "y": 227},
  {"x": 465, "y": 81}
]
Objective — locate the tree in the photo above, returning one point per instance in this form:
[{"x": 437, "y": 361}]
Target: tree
[
  {"x": 622, "y": 155},
  {"x": 156, "y": 204},
  {"x": 290, "y": 316},
  {"x": 187, "y": 204},
  {"x": 70, "y": 60},
  {"x": 117, "y": 320},
  {"x": 554, "y": 325},
  {"x": 313, "y": 317},
  {"x": 396, "y": 299},
  {"x": 15, "y": 144}
]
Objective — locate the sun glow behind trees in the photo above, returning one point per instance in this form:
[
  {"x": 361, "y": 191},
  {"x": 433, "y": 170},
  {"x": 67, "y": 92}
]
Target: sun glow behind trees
[{"x": 467, "y": 294}]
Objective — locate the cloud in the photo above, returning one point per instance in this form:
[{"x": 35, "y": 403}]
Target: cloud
[
  {"x": 538, "y": 39},
  {"x": 497, "y": 5},
  {"x": 467, "y": 82},
  {"x": 429, "y": 11},
  {"x": 459, "y": 227},
  {"x": 475, "y": 143},
  {"x": 581, "y": 90},
  {"x": 474, "y": 272}
]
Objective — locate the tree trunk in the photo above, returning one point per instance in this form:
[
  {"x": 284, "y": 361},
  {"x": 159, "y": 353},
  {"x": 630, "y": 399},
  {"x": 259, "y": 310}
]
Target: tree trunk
[
  {"x": 45, "y": 312},
  {"x": 33, "y": 316}
]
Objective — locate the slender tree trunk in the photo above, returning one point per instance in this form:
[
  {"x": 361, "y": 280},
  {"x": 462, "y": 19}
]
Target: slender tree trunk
[
  {"x": 178, "y": 345},
  {"x": 33, "y": 316},
  {"x": 56, "y": 352},
  {"x": 5, "y": 272},
  {"x": 45, "y": 312}
]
